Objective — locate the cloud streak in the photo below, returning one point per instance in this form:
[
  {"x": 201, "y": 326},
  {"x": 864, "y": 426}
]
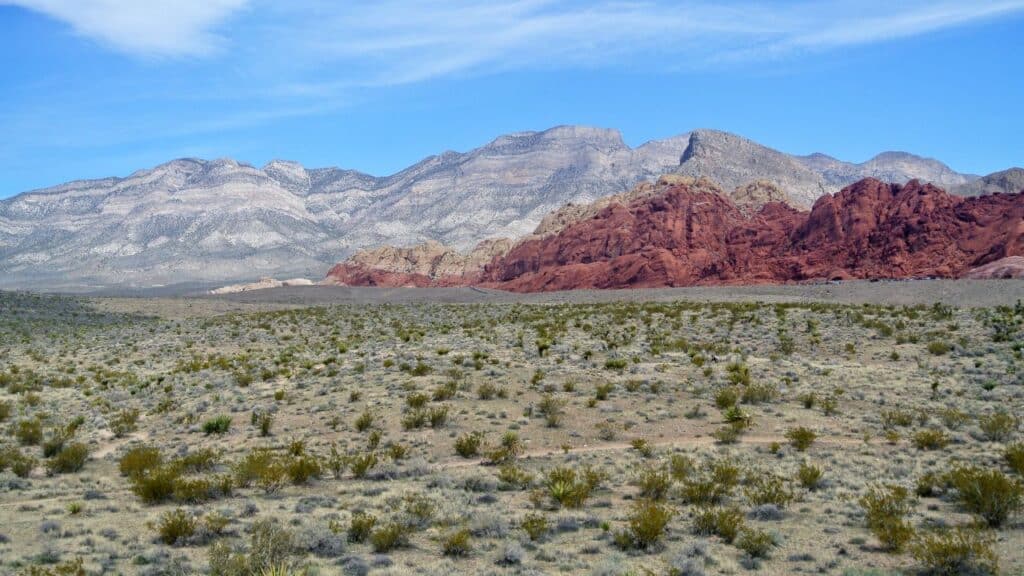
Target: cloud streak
[{"x": 165, "y": 28}]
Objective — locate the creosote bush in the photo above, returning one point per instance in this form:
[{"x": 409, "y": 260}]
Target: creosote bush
[
  {"x": 956, "y": 551},
  {"x": 989, "y": 494},
  {"x": 885, "y": 511},
  {"x": 801, "y": 438},
  {"x": 647, "y": 523}
]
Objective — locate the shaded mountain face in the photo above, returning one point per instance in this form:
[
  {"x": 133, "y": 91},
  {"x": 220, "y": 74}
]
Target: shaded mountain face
[
  {"x": 1006, "y": 182},
  {"x": 223, "y": 221}
]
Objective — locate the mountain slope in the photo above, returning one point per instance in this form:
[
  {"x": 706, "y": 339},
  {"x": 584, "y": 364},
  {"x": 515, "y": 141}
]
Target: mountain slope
[
  {"x": 223, "y": 221},
  {"x": 1005, "y": 182}
]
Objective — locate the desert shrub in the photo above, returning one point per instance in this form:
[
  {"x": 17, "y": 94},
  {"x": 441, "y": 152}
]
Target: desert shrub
[
  {"x": 1014, "y": 456},
  {"x": 998, "y": 426},
  {"x": 438, "y": 416},
  {"x": 885, "y": 509},
  {"x": 730, "y": 433},
  {"x": 388, "y": 537},
  {"x": 989, "y": 494},
  {"x": 5, "y": 410},
  {"x": 738, "y": 373},
  {"x": 680, "y": 466},
  {"x": 302, "y": 469},
  {"x": 253, "y": 466},
  {"x": 801, "y": 438},
  {"x": 535, "y": 525},
  {"x": 722, "y": 522},
  {"x": 70, "y": 459},
  {"x": 414, "y": 419},
  {"x": 759, "y": 393},
  {"x": 468, "y": 445},
  {"x": 809, "y": 476},
  {"x": 756, "y": 543},
  {"x": 456, "y": 543},
  {"x": 952, "y": 552},
  {"x": 939, "y": 347},
  {"x": 930, "y": 439},
  {"x": 417, "y": 400},
  {"x": 551, "y": 409},
  {"x": 126, "y": 422},
  {"x": 364, "y": 421},
  {"x": 768, "y": 489},
  {"x": 727, "y": 397},
  {"x": 29, "y": 432},
  {"x": 567, "y": 488},
  {"x": 361, "y": 526},
  {"x": 176, "y": 526},
  {"x": 601, "y": 391},
  {"x": 20, "y": 464},
  {"x": 192, "y": 490},
  {"x": 139, "y": 460},
  {"x": 155, "y": 485},
  {"x": 647, "y": 524},
  {"x": 270, "y": 546},
  {"x": 361, "y": 464},
  {"x": 265, "y": 421},
  {"x": 486, "y": 391},
  {"x": 197, "y": 461},
  {"x": 894, "y": 418},
  {"x": 642, "y": 446},
  {"x": 654, "y": 483},
  {"x": 217, "y": 425}
]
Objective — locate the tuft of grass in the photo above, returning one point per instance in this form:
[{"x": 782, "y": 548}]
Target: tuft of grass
[{"x": 217, "y": 425}]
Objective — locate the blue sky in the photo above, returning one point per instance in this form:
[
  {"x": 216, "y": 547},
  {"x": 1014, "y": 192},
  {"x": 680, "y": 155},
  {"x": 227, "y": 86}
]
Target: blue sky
[{"x": 94, "y": 88}]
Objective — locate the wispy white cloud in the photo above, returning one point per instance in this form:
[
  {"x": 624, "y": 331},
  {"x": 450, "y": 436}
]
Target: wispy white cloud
[
  {"x": 144, "y": 27},
  {"x": 403, "y": 41}
]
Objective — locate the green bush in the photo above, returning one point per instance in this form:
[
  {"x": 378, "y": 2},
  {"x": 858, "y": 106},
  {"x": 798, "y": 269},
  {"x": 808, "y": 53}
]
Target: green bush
[
  {"x": 156, "y": 485},
  {"x": 29, "y": 432},
  {"x": 727, "y": 397},
  {"x": 361, "y": 526},
  {"x": 809, "y": 476},
  {"x": 70, "y": 459},
  {"x": 139, "y": 460},
  {"x": 217, "y": 425},
  {"x": 535, "y": 525},
  {"x": 756, "y": 543},
  {"x": 801, "y": 438},
  {"x": 930, "y": 439},
  {"x": 364, "y": 421},
  {"x": 176, "y": 526},
  {"x": 468, "y": 445},
  {"x": 568, "y": 488},
  {"x": 939, "y": 347},
  {"x": 722, "y": 522},
  {"x": 768, "y": 489},
  {"x": 361, "y": 464},
  {"x": 1014, "y": 456},
  {"x": 885, "y": 509},
  {"x": 456, "y": 543},
  {"x": 647, "y": 524},
  {"x": 388, "y": 537},
  {"x": 998, "y": 426},
  {"x": 952, "y": 552},
  {"x": 989, "y": 494},
  {"x": 654, "y": 483}
]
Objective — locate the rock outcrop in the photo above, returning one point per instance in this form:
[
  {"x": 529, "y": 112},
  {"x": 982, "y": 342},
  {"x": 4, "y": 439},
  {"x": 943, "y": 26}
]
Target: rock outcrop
[
  {"x": 430, "y": 263},
  {"x": 688, "y": 233},
  {"x": 261, "y": 284},
  {"x": 1005, "y": 182},
  {"x": 1003, "y": 269}
]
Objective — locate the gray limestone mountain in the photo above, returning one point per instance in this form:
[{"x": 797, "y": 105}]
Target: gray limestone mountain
[
  {"x": 222, "y": 221},
  {"x": 1006, "y": 182},
  {"x": 733, "y": 161}
]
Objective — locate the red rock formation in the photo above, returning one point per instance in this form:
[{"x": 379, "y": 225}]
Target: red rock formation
[{"x": 688, "y": 235}]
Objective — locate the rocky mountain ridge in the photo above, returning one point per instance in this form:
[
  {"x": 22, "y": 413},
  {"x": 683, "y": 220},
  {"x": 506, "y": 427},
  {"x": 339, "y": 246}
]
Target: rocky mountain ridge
[{"x": 194, "y": 220}]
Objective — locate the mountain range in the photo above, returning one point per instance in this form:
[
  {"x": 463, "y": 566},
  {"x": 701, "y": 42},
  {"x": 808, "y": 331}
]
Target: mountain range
[{"x": 221, "y": 221}]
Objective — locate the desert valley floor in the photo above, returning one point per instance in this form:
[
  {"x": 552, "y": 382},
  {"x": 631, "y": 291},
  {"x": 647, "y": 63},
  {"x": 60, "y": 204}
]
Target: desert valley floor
[{"x": 851, "y": 429}]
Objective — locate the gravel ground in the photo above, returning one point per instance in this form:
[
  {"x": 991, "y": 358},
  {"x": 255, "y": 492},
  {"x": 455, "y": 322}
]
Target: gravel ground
[{"x": 973, "y": 293}]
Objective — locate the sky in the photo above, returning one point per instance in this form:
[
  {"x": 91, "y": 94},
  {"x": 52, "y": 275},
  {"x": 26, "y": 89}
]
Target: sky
[{"x": 95, "y": 88}]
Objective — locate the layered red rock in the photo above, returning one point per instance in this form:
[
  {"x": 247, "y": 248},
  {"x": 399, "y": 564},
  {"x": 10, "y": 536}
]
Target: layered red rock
[
  {"x": 688, "y": 233},
  {"x": 685, "y": 237}
]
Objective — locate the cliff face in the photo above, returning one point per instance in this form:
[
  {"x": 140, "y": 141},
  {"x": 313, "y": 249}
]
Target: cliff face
[{"x": 689, "y": 236}]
